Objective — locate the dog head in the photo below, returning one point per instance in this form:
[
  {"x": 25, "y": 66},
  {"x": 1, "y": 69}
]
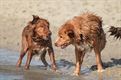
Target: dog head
[
  {"x": 41, "y": 30},
  {"x": 65, "y": 36}
]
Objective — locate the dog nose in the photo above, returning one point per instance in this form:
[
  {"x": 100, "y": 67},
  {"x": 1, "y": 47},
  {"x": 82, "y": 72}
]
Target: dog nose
[
  {"x": 56, "y": 44},
  {"x": 49, "y": 33}
]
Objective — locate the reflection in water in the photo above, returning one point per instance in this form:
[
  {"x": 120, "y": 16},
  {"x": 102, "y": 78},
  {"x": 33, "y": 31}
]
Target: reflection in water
[
  {"x": 9, "y": 76},
  {"x": 100, "y": 76},
  {"x": 8, "y": 72}
]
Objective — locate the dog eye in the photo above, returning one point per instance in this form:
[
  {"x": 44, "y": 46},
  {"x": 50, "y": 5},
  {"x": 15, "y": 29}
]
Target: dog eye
[{"x": 60, "y": 36}]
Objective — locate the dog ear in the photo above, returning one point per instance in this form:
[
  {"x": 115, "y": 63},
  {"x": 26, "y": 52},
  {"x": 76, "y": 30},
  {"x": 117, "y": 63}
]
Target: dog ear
[
  {"x": 81, "y": 37},
  {"x": 35, "y": 16},
  {"x": 35, "y": 19},
  {"x": 71, "y": 34}
]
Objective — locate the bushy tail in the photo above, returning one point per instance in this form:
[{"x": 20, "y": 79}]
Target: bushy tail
[{"x": 115, "y": 31}]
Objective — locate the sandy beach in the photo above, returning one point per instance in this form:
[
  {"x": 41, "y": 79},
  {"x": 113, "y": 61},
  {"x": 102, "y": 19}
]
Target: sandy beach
[{"x": 14, "y": 16}]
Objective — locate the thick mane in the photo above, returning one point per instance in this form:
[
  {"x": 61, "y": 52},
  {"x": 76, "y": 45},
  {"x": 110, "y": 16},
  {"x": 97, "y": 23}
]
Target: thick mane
[
  {"x": 89, "y": 24},
  {"x": 91, "y": 17}
]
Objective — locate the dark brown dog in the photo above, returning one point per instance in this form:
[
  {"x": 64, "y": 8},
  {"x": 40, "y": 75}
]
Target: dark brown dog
[
  {"x": 36, "y": 39},
  {"x": 84, "y": 32}
]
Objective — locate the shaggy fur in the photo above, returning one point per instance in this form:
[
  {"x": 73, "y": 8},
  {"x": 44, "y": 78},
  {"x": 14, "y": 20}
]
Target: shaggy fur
[
  {"x": 85, "y": 33},
  {"x": 36, "y": 39},
  {"x": 115, "y": 31}
]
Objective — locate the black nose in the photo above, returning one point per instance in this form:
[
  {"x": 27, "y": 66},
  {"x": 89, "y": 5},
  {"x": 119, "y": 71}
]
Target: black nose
[
  {"x": 56, "y": 44},
  {"x": 50, "y": 33}
]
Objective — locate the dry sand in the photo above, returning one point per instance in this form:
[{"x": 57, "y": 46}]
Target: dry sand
[{"x": 15, "y": 14}]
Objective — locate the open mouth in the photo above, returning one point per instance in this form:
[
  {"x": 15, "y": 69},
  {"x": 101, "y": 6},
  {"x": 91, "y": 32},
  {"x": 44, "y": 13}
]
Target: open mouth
[{"x": 64, "y": 45}]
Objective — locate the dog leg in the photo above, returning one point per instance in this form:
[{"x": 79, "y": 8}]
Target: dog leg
[
  {"x": 82, "y": 56},
  {"x": 52, "y": 58},
  {"x": 78, "y": 62},
  {"x": 23, "y": 52},
  {"x": 43, "y": 58},
  {"x": 29, "y": 57},
  {"x": 98, "y": 59}
]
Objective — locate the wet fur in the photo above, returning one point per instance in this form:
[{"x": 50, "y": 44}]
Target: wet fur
[
  {"x": 115, "y": 31},
  {"x": 84, "y": 31},
  {"x": 32, "y": 45}
]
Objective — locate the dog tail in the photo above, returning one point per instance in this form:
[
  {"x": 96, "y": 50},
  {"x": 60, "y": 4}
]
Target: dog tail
[
  {"x": 35, "y": 19},
  {"x": 115, "y": 31}
]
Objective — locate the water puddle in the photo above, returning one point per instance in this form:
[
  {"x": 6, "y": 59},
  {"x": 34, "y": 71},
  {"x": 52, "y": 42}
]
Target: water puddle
[
  {"x": 8, "y": 70},
  {"x": 10, "y": 76}
]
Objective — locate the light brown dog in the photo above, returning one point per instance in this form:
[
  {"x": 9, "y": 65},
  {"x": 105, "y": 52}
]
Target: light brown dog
[
  {"x": 36, "y": 39},
  {"x": 85, "y": 33}
]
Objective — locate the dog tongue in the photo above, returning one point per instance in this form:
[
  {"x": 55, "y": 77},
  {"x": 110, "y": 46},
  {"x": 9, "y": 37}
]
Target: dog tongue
[{"x": 62, "y": 46}]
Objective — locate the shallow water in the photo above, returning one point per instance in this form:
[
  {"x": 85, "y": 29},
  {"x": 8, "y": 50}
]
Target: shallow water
[
  {"x": 38, "y": 72},
  {"x": 10, "y": 76}
]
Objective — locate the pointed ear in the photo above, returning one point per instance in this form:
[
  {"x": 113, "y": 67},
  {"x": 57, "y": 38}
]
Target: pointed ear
[
  {"x": 35, "y": 19},
  {"x": 35, "y": 16},
  {"x": 70, "y": 34}
]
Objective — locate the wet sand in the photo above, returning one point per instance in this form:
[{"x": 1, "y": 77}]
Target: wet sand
[
  {"x": 8, "y": 70},
  {"x": 15, "y": 14}
]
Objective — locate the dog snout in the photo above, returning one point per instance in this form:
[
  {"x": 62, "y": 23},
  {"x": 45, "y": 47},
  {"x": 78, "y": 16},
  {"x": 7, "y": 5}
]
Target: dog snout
[
  {"x": 46, "y": 37},
  {"x": 50, "y": 33},
  {"x": 56, "y": 44}
]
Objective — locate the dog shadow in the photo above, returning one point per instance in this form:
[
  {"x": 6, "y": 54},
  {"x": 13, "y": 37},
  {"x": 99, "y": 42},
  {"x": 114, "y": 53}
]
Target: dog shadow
[
  {"x": 62, "y": 63},
  {"x": 112, "y": 63}
]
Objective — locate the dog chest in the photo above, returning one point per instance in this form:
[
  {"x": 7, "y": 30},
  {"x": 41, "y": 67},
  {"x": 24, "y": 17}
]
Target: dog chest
[
  {"x": 39, "y": 51},
  {"x": 84, "y": 47}
]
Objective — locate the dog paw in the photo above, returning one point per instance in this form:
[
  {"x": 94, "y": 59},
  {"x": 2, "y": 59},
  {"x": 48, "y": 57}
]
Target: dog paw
[
  {"x": 17, "y": 66},
  {"x": 54, "y": 67},
  {"x": 26, "y": 68},
  {"x": 75, "y": 74},
  {"x": 100, "y": 70},
  {"x": 58, "y": 71}
]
